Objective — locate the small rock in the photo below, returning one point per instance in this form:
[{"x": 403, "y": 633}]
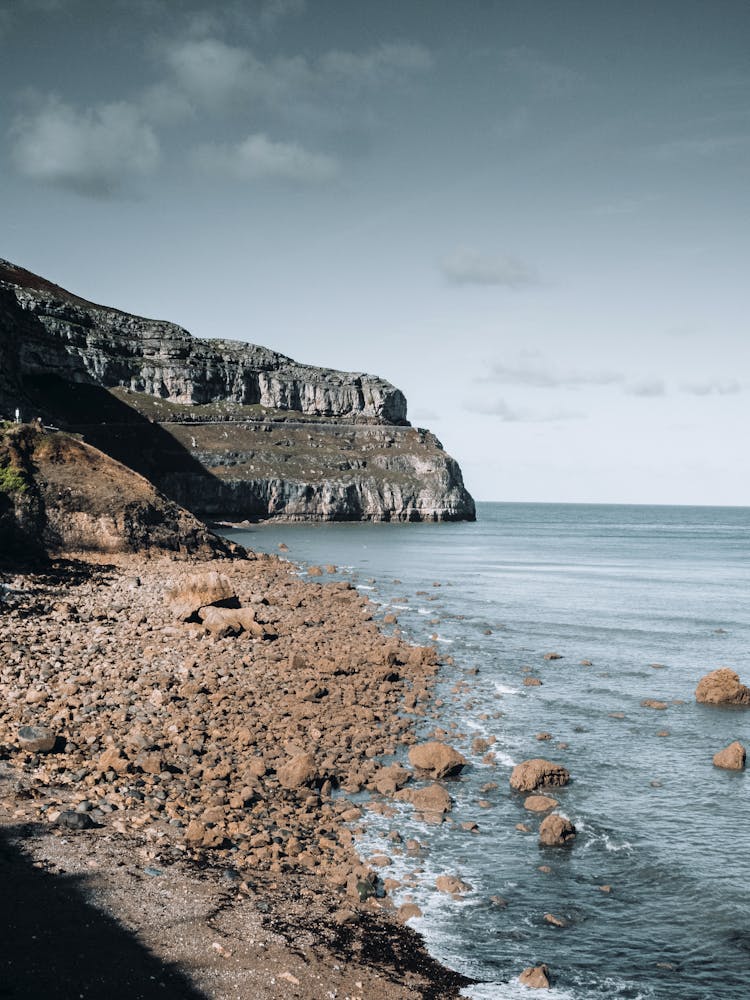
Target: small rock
[
  {"x": 555, "y": 921},
  {"x": 451, "y": 884},
  {"x": 652, "y": 703},
  {"x": 553, "y": 656},
  {"x": 732, "y": 758},
  {"x": 535, "y": 977},
  {"x": 531, "y": 682},
  {"x": 539, "y": 803},
  {"x": 408, "y": 911},
  {"x": 556, "y": 831},
  {"x": 72, "y": 820}
]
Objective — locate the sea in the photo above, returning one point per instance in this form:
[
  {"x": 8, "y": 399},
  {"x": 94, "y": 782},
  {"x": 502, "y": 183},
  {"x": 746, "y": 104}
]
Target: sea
[{"x": 639, "y": 602}]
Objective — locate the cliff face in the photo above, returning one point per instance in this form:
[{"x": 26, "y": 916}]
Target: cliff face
[{"x": 227, "y": 429}]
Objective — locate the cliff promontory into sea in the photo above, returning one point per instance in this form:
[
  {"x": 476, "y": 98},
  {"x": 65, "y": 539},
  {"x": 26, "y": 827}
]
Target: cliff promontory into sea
[{"x": 226, "y": 429}]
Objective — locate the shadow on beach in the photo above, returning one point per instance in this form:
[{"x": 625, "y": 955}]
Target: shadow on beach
[{"x": 55, "y": 944}]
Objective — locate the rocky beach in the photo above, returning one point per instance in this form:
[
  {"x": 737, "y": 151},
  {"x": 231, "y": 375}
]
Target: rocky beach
[{"x": 180, "y": 741}]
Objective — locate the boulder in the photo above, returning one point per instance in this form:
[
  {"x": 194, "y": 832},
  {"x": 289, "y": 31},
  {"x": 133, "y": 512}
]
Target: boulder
[
  {"x": 231, "y": 621},
  {"x": 440, "y": 760},
  {"x": 556, "y": 831},
  {"x": 538, "y": 773},
  {"x": 199, "y": 591},
  {"x": 408, "y": 911},
  {"x": 732, "y": 758},
  {"x": 539, "y": 803},
  {"x": 722, "y": 687},
  {"x": 36, "y": 739},
  {"x": 452, "y": 885},
  {"x": 433, "y": 799},
  {"x": 301, "y": 770},
  {"x": 535, "y": 977}
]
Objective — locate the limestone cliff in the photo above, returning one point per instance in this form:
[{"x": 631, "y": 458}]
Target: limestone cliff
[{"x": 227, "y": 429}]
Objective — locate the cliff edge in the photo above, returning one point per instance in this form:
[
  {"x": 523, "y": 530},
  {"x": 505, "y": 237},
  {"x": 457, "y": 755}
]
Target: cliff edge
[{"x": 227, "y": 429}]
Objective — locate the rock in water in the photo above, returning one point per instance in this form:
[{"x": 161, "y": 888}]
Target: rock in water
[
  {"x": 536, "y": 977},
  {"x": 537, "y": 773},
  {"x": 556, "y": 831},
  {"x": 722, "y": 687},
  {"x": 732, "y": 758},
  {"x": 440, "y": 760}
]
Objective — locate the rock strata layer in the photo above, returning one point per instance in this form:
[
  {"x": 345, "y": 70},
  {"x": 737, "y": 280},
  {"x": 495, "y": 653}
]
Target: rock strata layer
[{"x": 228, "y": 429}]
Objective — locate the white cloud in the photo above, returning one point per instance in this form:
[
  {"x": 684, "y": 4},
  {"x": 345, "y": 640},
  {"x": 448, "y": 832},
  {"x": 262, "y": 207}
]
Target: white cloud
[
  {"x": 540, "y": 377},
  {"x": 509, "y": 414},
  {"x": 93, "y": 151},
  {"x": 647, "y": 388},
  {"x": 470, "y": 267},
  {"x": 715, "y": 387},
  {"x": 377, "y": 65},
  {"x": 259, "y": 157},
  {"x": 213, "y": 73}
]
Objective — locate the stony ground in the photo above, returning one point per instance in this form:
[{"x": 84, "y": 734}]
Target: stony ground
[{"x": 194, "y": 811}]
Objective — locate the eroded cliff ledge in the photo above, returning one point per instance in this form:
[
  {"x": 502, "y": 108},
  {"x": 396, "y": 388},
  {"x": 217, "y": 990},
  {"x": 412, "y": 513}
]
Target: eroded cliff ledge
[{"x": 229, "y": 430}]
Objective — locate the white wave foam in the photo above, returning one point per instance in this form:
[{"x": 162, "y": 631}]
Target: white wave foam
[{"x": 505, "y": 689}]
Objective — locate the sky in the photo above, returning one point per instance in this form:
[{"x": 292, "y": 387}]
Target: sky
[{"x": 532, "y": 216}]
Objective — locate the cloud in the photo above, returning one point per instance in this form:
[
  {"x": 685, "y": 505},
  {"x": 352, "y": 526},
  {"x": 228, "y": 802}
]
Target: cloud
[
  {"x": 647, "y": 388},
  {"x": 540, "y": 377},
  {"x": 377, "y": 66},
  {"x": 508, "y": 414},
  {"x": 93, "y": 151},
  {"x": 258, "y": 157},
  {"x": 715, "y": 387},
  {"x": 470, "y": 267},
  {"x": 213, "y": 73}
]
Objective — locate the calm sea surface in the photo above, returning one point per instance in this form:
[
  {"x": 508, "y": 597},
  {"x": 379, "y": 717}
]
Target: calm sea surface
[{"x": 654, "y": 597}]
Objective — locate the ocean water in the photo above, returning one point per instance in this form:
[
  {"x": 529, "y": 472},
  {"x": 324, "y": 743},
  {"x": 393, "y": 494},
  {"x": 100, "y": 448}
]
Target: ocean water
[{"x": 654, "y": 597}]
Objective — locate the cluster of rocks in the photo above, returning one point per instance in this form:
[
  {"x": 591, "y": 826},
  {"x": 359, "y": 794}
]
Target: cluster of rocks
[{"x": 232, "y": 712}]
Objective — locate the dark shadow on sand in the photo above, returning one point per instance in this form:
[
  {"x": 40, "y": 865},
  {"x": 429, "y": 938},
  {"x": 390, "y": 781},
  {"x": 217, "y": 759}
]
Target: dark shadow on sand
[{"x": 56, "y": 945}]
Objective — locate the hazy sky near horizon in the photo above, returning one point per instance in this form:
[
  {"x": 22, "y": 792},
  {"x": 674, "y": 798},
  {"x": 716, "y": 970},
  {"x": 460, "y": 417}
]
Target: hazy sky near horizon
[{"x": 530, "y": 215}]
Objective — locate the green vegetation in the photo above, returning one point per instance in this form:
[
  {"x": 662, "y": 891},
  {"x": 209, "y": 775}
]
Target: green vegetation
[{"x": 11, "y": 480}]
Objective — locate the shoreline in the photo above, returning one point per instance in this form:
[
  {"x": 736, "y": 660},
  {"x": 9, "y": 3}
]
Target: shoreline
[{"x": 201, "y": 786}]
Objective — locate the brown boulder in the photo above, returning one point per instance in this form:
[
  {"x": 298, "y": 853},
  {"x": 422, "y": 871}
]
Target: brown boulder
[
  {"x": 536, "y": 977},
  {"x": 537, "y": 773},
  {"x": 556, "y": 831},
  {"x": 440, "y": 760},
  {"x": 452, "y": 885},
  {"x": 539, "y": 803},
  {"x": 732, "y": 758},
  {"x": 199, "y": 591},
  {"x": 433, "y": 799},
  {"x": 722, "y": 687},
  {"x": 299, "y": 771},
  {"x": 408, "y": 911},
  {"x": 231, "y": 621},
  {"x": 36, "y": 739}
]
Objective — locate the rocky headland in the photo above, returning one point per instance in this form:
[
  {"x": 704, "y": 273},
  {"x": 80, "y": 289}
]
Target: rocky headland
[{"x": 227, "y": 429}]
